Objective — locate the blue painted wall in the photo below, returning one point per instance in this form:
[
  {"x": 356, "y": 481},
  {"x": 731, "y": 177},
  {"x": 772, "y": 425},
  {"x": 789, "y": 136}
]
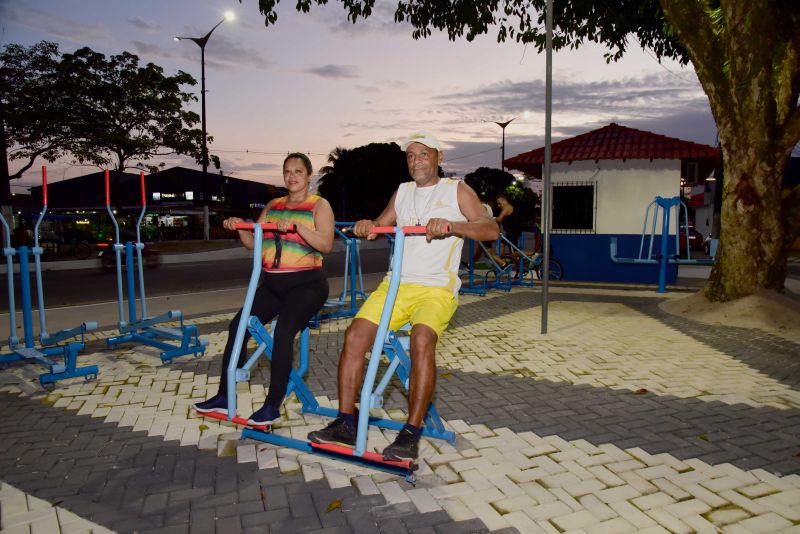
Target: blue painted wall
[{"x": 586, "y": 258}]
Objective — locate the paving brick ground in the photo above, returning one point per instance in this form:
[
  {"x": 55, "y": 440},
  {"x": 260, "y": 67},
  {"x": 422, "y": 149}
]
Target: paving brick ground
[{"x": 621, "y": 419}]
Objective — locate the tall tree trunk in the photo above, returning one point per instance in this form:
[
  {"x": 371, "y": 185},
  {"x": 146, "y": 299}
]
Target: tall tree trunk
[
  {"x": 752, "y": 251},
  {"x": 746, "y": 54}
]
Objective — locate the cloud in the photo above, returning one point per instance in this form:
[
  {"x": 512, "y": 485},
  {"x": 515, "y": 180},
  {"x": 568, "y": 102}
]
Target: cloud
[
  {"x": 48, "y": 23},
  {"x": 335, "y": 72},
  {"x": 144, "y": 25},
  {"x": 653, "y": 96}
]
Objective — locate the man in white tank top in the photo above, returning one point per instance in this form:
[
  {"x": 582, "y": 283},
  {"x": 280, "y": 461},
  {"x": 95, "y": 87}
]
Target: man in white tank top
[{"x": 428, "y": 293}]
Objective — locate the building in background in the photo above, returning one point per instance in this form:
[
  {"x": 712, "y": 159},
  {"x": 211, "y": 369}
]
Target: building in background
[
  {"x": 603, "y": 181},
  {"x": 175, "y": 208}
]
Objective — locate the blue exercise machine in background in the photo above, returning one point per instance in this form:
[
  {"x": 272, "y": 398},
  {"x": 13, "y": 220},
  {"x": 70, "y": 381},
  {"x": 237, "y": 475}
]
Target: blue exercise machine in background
[
  {"x": 49, "y": 345},
  {"x": 664, "y": 257},
  {"x": 387, "y": 342},
  {"x": 347, "y": 303},
  {"x": 474, "y": 284},
  {"x": 146, "y": 329}
]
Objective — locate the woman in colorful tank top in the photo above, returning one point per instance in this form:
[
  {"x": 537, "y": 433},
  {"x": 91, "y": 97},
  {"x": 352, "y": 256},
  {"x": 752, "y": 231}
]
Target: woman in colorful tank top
[{"x": 293, "y": 287}]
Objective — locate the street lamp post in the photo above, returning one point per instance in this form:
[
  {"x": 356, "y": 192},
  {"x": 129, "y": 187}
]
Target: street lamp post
[
  {"x": 201, "y": 42},
  {"x": 502, "y": 126}
]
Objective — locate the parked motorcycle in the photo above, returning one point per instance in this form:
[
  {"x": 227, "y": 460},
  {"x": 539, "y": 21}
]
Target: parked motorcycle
[{"x": 108, "y": 258}]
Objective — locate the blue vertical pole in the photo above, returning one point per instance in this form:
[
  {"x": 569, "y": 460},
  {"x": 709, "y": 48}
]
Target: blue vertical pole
[
  {"x": 25, "y": 290},
  {"x": 236, "y": 353},
  {"x": 131, "y": 283},
  {"x": 352, "y": 247},
  {"x": 471, "y": 252},
  {"x": 662, "y": 271}
]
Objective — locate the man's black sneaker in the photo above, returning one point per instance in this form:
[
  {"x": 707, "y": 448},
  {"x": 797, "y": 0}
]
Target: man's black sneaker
[
  {"x": 265, "y": 415},
  {"x": 337, "y": 433},
  {"x": 405, "y": 447},
  {"x": 217, "y": 403}
]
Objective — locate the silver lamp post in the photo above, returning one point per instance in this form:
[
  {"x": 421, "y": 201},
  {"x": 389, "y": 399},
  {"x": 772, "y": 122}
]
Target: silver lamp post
[
  {"x": 502, "y": 126},
  {"x": 201, "y": 42}
]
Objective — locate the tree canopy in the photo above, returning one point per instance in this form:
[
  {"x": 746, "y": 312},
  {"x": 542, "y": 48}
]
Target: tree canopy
[
  {"x": 104, "y": 111},
  {"x": 359, "y": 182},
  {"x": 746, "y": 54},
  {"x": 488, "y": 182},
  {"x": 35, "y": 115}
]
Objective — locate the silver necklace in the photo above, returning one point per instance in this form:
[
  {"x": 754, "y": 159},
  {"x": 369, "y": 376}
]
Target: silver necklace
[{"x": 427, "y": 204}]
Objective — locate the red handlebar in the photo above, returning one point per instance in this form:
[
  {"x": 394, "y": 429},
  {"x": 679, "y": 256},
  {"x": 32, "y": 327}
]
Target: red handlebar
[
  {"x": 407, "y": 230},
  {"x": 108, "y": 190},
  {"x": 264, "y": 226},
  {"x": 141, "y": 181},
  {"x": 44, "y": 185}
]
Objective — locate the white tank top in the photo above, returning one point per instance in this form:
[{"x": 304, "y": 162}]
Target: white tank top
[{"x": 436, "y": 263}]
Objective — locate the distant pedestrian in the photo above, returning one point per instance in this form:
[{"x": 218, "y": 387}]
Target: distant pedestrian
[{"x": 509, "y": 219}]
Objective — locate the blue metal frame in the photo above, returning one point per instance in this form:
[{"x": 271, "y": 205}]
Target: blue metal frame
[
  {"x": 395, "y": 347},
  {"x": 664, "y": 257},
  {"x": 502, "y": 275},
  {"x": 145, "y": 330},
  {"x": 49, "y": 346},
  {"x": 347, "y": 303}
]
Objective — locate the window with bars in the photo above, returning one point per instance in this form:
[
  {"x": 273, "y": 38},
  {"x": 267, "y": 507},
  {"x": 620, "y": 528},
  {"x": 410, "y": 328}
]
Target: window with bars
[{"x": 574, "y": 207}]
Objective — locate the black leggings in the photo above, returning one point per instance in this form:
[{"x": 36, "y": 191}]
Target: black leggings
[{"x": 296, "y": 298}]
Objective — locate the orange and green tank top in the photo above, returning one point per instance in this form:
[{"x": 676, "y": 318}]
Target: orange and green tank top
[{"x": 289, "y": 251}]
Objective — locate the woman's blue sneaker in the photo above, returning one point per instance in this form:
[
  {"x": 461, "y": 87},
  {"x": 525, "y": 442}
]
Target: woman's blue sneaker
[
  {"x": 265, "y": 415},
  {"x": 217, "y": 403}
]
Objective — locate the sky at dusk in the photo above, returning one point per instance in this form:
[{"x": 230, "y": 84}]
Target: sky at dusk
[{"x": 315, "y": 81}]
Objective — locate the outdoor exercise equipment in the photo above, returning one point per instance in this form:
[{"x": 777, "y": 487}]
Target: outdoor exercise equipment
[
  {"x": 664, "y": 257},
  {"x": 476, "y": 286},
  {"x": 49, "y": 345},
  {"x": 347, "y": 303},
  {"x": 146, "y": 330},
  {"x": 528, "y": 264},
  {"x": 396, "y": 348}
]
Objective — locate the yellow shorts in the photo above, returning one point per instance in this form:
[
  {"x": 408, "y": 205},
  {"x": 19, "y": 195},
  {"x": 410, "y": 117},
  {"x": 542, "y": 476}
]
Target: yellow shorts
[{"x": 415, "y": 304}]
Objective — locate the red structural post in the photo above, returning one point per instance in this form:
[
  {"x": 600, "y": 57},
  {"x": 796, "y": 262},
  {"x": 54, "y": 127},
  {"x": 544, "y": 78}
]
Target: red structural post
[
  {"x": 44, "y": 185},
  {"x": 108, "y": 190}
]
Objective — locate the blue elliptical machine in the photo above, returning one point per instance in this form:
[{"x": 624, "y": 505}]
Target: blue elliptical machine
[
  {"x": 396, "y": 348},
  {"x": 49, "y": 346},
  {"x": 346, "y": 304},
  {"x": 145, "y": 330},
  {"x": 663, "y": 258}
]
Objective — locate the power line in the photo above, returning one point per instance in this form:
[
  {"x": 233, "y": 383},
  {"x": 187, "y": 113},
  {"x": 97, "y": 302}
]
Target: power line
[{"x": 474, "y": 154}]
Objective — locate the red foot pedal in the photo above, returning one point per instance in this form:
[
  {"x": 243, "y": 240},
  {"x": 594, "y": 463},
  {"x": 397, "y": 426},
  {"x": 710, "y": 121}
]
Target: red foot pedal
[
  {"x": 371, "y": 456},
  {"x": 236, "y": 419}
]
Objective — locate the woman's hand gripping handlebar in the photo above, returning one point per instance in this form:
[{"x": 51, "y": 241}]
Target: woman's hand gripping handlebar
[{"x": 281, "y": 226}]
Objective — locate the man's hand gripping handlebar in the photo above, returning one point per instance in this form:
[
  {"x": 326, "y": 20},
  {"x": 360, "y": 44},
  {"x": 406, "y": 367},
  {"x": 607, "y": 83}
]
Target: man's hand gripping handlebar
[{"x": 436, "y": 228}]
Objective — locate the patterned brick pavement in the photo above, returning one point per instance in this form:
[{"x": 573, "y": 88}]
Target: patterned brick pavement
[{"x": 621, "y": 419}]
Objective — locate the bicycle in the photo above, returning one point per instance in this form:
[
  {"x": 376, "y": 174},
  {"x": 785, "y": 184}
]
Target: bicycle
[
  {"x": 80, "y": 249},
  {"x": 533, "y": 261}
]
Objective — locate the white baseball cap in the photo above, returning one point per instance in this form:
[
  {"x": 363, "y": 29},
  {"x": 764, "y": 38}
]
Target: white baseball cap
[{"x": 422, "y": 137}]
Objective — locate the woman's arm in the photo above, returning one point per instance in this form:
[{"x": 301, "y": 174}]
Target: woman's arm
[{"x": 321, "y": 238}]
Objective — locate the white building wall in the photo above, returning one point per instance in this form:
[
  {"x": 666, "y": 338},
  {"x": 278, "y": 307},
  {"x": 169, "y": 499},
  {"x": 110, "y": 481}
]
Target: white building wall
[{"x": 624, "y": 189}]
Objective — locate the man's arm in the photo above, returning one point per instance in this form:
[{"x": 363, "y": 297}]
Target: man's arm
[
  {"x": 479, "y": 225},
  {"x": 387, "y": 218}
]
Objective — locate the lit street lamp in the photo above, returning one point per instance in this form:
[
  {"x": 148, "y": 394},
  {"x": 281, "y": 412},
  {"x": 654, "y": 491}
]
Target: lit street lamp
[
  {"x": 201, "y": 42},
  {"x": 502, "y": 126}
]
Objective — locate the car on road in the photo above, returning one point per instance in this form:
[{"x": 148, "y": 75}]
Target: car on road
[{"x": 695, "y": 238}]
